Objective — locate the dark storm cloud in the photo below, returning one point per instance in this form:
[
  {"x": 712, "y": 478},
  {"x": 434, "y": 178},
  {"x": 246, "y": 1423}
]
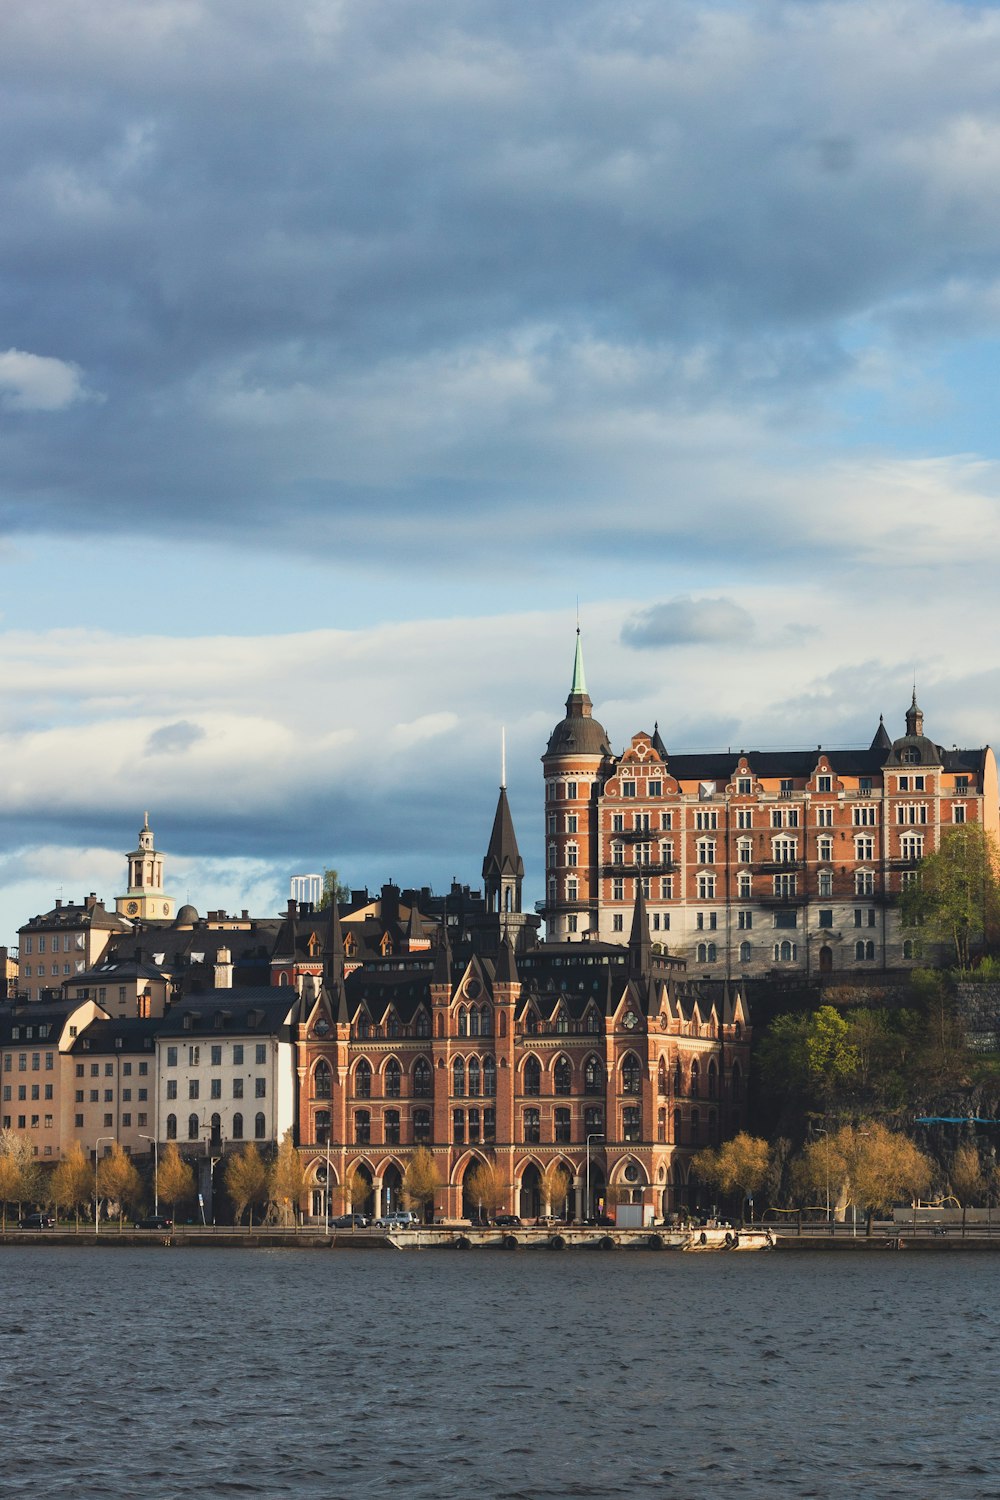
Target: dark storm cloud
[
  {"x": 679, "y": 622},
  {"x": 316, "y": 259}
]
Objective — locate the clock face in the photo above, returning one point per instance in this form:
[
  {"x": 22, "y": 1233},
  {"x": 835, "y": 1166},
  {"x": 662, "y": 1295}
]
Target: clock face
[
  {"x": 166, "y": 908},
  {"x": 132, "y": 907},
  {"x": 630, "y": 1020}
]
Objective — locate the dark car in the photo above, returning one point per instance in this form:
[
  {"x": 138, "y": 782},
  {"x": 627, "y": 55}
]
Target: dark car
[
  {"x": 350, "y": 1221},
  {"x": 507, "y": 1221},
  {"x": 155, "y": 1221},
  {"x": 36, "y": 1221}
]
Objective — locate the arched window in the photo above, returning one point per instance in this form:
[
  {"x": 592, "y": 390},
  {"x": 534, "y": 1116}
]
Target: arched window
[
  {"x": 532, "y": 1076},
  {"x": 532, "y": 1127},
  {"x": 259, "y": 1126},
  {"x": 489, "y": 1077},
  {"x": 458, "y": 1126},
  {"x": 393, "y": 1075},
  {"x": 238, "y": 1127},
  {"x": 593, "y": 1022},
  {"x": 593, "y": 1076},
  {"x": 631, "y": 1124},
  {"x": 421, "y": 1127},
  {"x": 362, "y": 1126},
  {"x": 695, "y": 1078},
  {"x": 474, "y": 1077},
  {"x": 216, "y": 1124},
  {"x": 745, "y": 951},
  {"x": 392, "y": 1026},
  {"x": 423, "y": 1027},
  {"x": 661, "y": 1077},
  {"x": 562, "y": 1126},
  {"x": 322, "y": 1080},
  {"x": 530, "y": 1021},
  {"x": 390, "y": 1121},
  {"x": 473, "y": 1022},
  {"x": 171, "y": 1127},
  {"x": 695, "y": 1127},
  {"x": 712, "y": 1079},
  {"x": 631, "y": 1074},
  {"x": 422, "y": 1078},
  {"x": 458, "y": 1077},
  {"x": 661, "y": 1126},
  {"x": 678, "y": 1077},
  {"x": 563, "y": 1075},
  {"x": 677, "y": 1127},
  {"x": 485, "y": 1021},
  {"x": 707, "y": 953},
  {"x": 463, "y": 1023},
  {"x": 192, "y": 1127},
  {"x": 593, "y": 1119},
  {"x": 321, "y": 1131},
  {"x": 363, "y": 1079}
]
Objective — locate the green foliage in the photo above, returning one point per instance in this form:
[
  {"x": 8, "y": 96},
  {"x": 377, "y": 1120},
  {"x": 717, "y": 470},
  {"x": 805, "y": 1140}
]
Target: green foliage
[
  {"x": 956, "y": 896},
  {"x": 333, "y": 888},
  {"x": 808, "y": 1055}
]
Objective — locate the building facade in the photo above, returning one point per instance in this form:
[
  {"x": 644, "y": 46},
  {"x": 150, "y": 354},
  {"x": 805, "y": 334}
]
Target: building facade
[{"x": 751, "y": 862}]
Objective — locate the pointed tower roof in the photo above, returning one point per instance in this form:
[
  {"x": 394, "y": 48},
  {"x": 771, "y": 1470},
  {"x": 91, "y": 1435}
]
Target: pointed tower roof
[
  {"x": 506, "y": 968},
  {"x": 442, "y": 956},
  {"x": 640, "y": 945},
  {"x": 333, "y": 966},
  {"x": 578, "y": 733},
  {"x": 914, "y": 716},
  {"x": 657, "y": 742},
  {"x": 881, "y": 740},
  {"x": 502, "y": 854}
]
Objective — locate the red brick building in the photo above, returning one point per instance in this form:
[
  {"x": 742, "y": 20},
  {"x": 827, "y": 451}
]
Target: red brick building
[
  {"x": 600, "y": 1057},
  {"x": 751, "y": 861}
]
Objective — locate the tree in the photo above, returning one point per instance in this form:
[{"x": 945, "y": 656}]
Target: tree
[
  {"x": 118, "y": 1180},
  {"x": 966, "y": 1174},
  {"x": 808, "y": 1054},
  {"x": 555, "y": 1187},
  {"x": 72, "y": 1182},
  {"x": 956, "y": 895},
  {"x": 354, "y": 1191},
  {"x": 333, "y": 889},
  {"x": 175, "y": 1178},
  {"x": 487, "y": 1186},
  {"x": 421, "y": 1180},
  {"x": 246, "y": 1181},
  {"x": 19, "y": 1176},
  {"x": 287, "y": 1180},
  {"x": 868, "y": 1165},
  {"x": 740, "y": 1165}
]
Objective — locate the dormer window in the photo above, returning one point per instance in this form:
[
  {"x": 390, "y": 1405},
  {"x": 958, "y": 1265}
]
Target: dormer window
[{"x": 909, "y": 756}]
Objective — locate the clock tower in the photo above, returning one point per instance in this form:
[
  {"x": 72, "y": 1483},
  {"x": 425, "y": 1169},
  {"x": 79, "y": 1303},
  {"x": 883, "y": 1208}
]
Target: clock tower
[{"x": 145, "y": 900}]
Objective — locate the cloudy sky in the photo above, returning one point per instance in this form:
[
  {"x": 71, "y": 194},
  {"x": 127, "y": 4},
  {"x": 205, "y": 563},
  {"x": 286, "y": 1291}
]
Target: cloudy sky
[{"x": 345, "y": 344}]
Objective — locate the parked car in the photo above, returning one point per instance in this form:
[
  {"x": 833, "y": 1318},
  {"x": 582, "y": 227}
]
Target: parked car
[
  {"x": 349, "y": 1221},
  {"x": 402, "y": 1220},
  {"x": 507, "y": 1221},
  {"x": 155, "y": 1221},
  {"x": 36, "y": 1221}
]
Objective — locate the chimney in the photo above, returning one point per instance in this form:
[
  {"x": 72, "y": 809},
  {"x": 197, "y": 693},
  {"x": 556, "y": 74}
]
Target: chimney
[{"x": 223, "y": 969}]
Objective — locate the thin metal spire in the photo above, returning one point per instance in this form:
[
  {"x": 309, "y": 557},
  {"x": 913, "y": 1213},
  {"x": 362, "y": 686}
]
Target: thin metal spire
[
  {"x": 503, "y": 757},
  {"x": 579, "y": 677}
]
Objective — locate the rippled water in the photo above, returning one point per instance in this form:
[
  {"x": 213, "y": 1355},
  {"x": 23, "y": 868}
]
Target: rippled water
[{"x": 167, "y": 1373}]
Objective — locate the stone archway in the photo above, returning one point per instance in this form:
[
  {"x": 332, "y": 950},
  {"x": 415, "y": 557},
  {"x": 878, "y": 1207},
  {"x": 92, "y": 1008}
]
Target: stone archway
[
  {"x": 471, "y": 1208},
  {"x": 392, "y": 1189},
  {"x": 826, "y": 959},
  {"x": 530, "y": 1196}
]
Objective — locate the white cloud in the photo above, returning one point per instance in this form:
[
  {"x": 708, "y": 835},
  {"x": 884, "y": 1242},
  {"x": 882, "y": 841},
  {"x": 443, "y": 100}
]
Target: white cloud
[{"x": 35, "y": 382}]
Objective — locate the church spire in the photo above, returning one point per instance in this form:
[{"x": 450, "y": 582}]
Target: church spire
[
  {"x": 503, "y": 867},
  {"x": 640, "y": 946},
  {"x": 579, "y": 686}
]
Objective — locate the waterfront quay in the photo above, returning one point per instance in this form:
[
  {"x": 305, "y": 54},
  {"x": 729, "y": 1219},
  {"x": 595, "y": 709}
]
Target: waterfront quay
[{"x": 808, "y": 1237}]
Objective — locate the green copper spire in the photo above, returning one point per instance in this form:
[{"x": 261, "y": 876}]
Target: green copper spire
[{"x": 579, "y": 676}]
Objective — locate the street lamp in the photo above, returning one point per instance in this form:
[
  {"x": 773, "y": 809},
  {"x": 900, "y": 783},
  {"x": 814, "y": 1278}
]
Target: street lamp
[
  {"x": 156, "y": 1171},
  {"x": 598, "y": 1135},
  {"x": 827, "y": 1156},
  {"x": 97, "y": 1162},
  {"x": 326, "y": 1185}
]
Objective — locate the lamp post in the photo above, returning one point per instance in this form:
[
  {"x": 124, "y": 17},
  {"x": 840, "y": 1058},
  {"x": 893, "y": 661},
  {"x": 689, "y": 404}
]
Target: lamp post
[
  {"x": 827, "y": 1134},
  {"x": 598, "y": 1135},
  {"x": 97, "y": 1162},
  {"x": 156, "y": 1171},
  {"x": 326, "y": 1185}
]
